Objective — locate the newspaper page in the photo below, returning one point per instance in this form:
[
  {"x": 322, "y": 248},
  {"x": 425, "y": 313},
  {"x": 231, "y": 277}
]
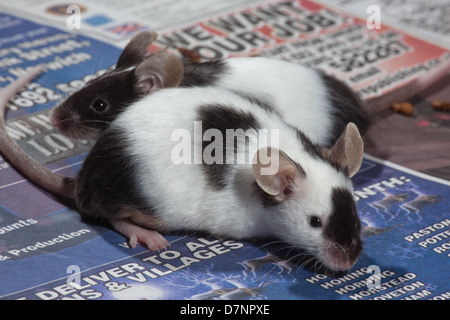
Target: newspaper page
[
  {"x": 48, "y": 253},
  {"x": 115, "y": 21},
  {"x": 369, "y": 56},
  {"x": 428, "y": 20},
  {"x": 373, "y": 60},
  {"x": 406, "y": 226}
]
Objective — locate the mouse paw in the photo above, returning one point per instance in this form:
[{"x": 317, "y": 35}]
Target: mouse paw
[
  {"x": 151, "y": 238},
  {"x": 136, "y": 234}
]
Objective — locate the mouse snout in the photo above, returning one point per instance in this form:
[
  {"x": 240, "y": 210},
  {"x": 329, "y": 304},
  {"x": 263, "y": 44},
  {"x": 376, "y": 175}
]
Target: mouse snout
[
  {"x": 340, "y": 257},
  {"x": 55, "y": 121},
  {"x": 58, "y": 122},
  {"x": 61, "y": 119},
  {"x": 55, "y": 117}
]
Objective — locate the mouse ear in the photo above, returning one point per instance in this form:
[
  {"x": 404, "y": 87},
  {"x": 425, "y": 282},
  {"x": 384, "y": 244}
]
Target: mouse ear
[
  {"x": 137, "y": 49},
  {"x": 159, "y": 71},
  {"x": 275, "y": 172},
  {"x": 348, "y": 150}
]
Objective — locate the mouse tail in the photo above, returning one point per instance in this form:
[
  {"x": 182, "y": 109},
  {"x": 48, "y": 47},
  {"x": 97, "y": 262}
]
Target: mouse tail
[{"x": 17, "y": 157}]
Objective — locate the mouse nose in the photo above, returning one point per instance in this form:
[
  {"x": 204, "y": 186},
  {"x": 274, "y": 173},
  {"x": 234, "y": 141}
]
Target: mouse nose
[
  {"x": 340, "y": 257},
  {"x": 55, "y": 122}
]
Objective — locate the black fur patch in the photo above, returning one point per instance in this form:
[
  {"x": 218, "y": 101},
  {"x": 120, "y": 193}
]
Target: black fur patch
[
  {"x": 347, "y": 107},
  {"x": 263, "y": 104},
  {"x": 315, "y": 150},
  {"x": 202, "y": 74},
  {"x": 343, "y": 225},
  {"x": 222, "y": 118},
  {"x": 266, "y": 199},
  {"x": 107, "y": 182},
  {"x": 115, "y": 88}
]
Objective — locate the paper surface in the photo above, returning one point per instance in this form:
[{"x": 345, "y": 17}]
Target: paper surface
[
  {"x": 118, "y": 20},
  {"x": 426, "y": 19},
  {"x": 373, "y": 62},
  {"x": 406, "y": 230},
  {"x": 47, "y": 252}
]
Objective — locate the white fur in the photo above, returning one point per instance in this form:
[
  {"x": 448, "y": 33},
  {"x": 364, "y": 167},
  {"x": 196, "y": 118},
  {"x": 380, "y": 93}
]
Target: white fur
[
  {"x": 180, "y": 193},
  {"x": 297, "y": 92}
]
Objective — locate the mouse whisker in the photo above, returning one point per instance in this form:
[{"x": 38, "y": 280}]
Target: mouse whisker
[
  {"x": 97, "y": 121},
  {"x": 267, "y": 244},
  {"x": 306, "y": 264}
]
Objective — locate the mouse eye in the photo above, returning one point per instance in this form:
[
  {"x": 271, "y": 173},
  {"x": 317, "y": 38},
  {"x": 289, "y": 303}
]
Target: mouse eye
[
  {"x": 100, "y": 105},
  {"x": 315, "y": 222}
]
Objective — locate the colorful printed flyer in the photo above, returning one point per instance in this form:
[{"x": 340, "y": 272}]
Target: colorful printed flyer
[
  {"x": 406, "y": 230},
  {"x": 47, "y": 252}
]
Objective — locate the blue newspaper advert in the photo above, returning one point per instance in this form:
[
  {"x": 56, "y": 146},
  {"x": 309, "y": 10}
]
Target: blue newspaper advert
[
  {"x": 406, "y": 229},
  {"x": 47, "y": 252}
]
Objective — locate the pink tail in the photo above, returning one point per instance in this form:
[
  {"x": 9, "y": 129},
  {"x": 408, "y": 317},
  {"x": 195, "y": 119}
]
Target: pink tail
[{"x": 26, "y": 165}]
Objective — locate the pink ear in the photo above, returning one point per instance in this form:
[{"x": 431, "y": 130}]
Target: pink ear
[
  {"x": 348, "y": 150},
  {"x": 137, "y": 49},
  {"x": 148, "y": 84},
  {"x": 162, "y": 70},
  {"x": 275, "y": 172}
]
